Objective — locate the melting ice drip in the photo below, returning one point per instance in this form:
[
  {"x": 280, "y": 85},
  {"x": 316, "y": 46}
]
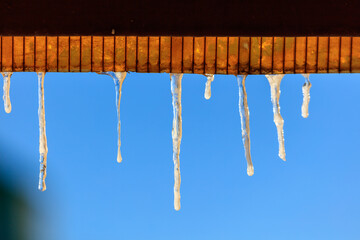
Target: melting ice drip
[
  {"x": 245, "y": 122},
  {"x": 176, "y": 134},
  {"x": 43, "y": 149},
  {"x": 6, "y": 89},
  {"x": 306, "y": 96},
  {"x": 275, "y": 81},
  {"x": 119, "y": 78},
  {"x": 210, "y": 78}
]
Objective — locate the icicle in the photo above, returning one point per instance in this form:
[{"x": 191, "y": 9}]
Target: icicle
[
  {"x": 306, "y": 96},
  {"x": 6, "y": 89},
  {"x": 176, "y": 134},
  {"x": 43, "y": 149},
  {"x": 119, "y": 78},
  {"x": 275, "y": 81},
  {"x": 210, "y": 78},
  {"x": 245, "y": 122}
]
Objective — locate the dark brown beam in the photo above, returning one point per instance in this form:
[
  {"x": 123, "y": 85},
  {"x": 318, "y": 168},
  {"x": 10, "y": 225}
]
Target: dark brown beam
[{"x": 180, "y": 18}]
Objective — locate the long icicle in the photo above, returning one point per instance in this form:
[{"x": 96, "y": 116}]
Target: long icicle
[
  {"x": 306, "y": 96},
  {"x": 6, "y": 89},
  {"x": 43, "y": 149},
  {"x": 176, "y": 134},
  {"x": 245, "y": 122},
  {"x": 119, "y": 78},
  {"x": 210, "y": 78},
  {"x": 275, "y": 81}
]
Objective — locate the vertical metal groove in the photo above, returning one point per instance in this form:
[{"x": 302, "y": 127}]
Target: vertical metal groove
[
  {"x": 317, "y": 54},
  {"x": 351, "y": 47},
  {"x": 306, "y": 50}
]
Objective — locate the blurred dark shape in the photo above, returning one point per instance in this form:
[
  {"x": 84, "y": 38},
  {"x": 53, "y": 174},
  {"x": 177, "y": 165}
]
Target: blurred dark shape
[{"x": 14, "y": 212}]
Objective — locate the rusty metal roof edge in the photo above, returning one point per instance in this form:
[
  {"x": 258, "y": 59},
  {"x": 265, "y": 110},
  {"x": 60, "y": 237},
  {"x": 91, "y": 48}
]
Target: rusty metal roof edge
[{"x": 181, "y": 54}]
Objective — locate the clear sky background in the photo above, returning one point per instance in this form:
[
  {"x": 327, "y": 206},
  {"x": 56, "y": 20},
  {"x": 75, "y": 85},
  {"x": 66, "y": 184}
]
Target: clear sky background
[{"x": 314, "y": 195}]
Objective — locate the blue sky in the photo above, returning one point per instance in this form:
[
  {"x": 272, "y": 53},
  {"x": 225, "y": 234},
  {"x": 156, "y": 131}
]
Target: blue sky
[{"x": 314, "y": 195}]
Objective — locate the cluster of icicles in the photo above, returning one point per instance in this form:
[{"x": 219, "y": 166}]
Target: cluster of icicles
[{"x": 175, "y": 80}]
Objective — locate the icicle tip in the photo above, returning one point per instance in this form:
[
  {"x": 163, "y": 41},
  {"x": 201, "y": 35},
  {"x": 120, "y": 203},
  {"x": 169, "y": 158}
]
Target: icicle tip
[
  {"x": 250, "y": 171},
  {"x": 119, "y": 158}
]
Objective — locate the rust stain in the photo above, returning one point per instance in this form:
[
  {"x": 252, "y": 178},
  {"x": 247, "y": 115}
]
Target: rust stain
[
  {"x": 255, "y": 52},
  {"x": 40, "y": 56},
  {"x": 289, "y": 63},
  {"x": 221, "y": 55},
  {"x": 120, "y": 54},
  {"x": 334, "y": 55},
  {"x": 176, "y": 54},
  {"x": 131, "y": 53},
  {"x": 345, "y": 54},
  {"x": 199, "y": 55},
  {"x": 300, "y": 54},
  {"x": 210, "y": 54},
  {"x": 18, "y": 61},
  {"x": 86, "y": 54},
  {"x": 109, "y": 54},
  {"x": 266, "y": 55},
  {"x": 63, "y": 64},
  {"x": 188, "y": 54},
  {"x": 233, "y": 56},
  {"x": 51, "y": 56},
  {"x": 142, "y": 54},
  {"x": 311, "y": 55},
  {"x": 165, "y": 52},
  {"x": 7, "y": 55},
  {"x": 30, "y": 54},
  {"x": 75, "y": 54},
  {"x": 323, "y": 55},
  {"x": 355, "y": 55},
  {"x": 278, "y": 60},
  {"x": 0, "y": 51},
  {"x": 154, "y": 54},
  {"x": 97, "y": 54},
  {"x": 244, "y": 55}
]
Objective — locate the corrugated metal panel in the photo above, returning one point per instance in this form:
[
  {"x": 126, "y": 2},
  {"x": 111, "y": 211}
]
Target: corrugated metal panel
[{"x": 221, "y": 55}]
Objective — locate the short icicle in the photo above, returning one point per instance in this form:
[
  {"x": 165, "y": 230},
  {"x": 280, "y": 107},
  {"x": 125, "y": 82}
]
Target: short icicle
[
  {"x": 43, "y": 149},
  {"x": 6, "y": 89},
  {"x": 210, "y": 78},
  {"x": 245, "y": 122},
  {"x": 275, "y": 81},
  {"x": 176, "y": 134},
  {"x": 119, "y": 78},
  {"x": 306, "y": 96}
]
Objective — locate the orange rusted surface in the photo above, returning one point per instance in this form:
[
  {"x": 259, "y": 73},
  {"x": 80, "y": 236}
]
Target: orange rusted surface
[
  {"x": 300, "y": 54},
  {"x": 278, "y": 55},
  {"x": 176, "y": 54},
  {"x": 233, "y": 55},
  {"x": 266, "y": 55},
  {"x": 208, "y": 54},
  {"x": 18, "y": 55},
  {"x": 142, "y": 54},
  {"x": 311, "y": 55}
]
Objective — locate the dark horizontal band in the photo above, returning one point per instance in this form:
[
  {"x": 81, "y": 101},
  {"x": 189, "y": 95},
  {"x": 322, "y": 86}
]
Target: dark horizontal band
[{"x": 180, "y": 18}]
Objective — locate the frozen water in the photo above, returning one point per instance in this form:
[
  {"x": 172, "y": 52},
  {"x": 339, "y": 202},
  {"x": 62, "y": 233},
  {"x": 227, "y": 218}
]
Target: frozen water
[
  {"x": 176, "y": 134},
  {"x": 275, "y": 81},
  {"x": 6, "y": 89},
  {"x": 119, "y": 78},
  {"x": 210, "y": 78},
  {"x": 43, "y": 149},
  {"x": 245, "y": 122},
  {"x": 306, "y": 96}
]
